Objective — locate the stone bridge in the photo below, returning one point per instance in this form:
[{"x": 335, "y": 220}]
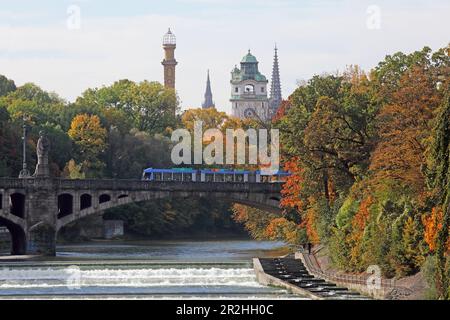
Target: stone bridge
[{"x": 35, "y": 209}]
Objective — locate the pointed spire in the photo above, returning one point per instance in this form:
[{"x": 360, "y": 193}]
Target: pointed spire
[
  {"x": 275, "y": 90},
  {"x": 208, "y": 103}
]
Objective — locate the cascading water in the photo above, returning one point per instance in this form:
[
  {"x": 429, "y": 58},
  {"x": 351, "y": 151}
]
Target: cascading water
[
  {"x": 39, "y": 277},
  {"x": 127, "y": 278}
]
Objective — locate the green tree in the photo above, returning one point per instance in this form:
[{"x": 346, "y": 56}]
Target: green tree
[
  {"x": 441, "y": 160},
  {"x": 149, "y": 106},
  {"x": 6, "y": 86},
  {"x": 89, "y": 138}
]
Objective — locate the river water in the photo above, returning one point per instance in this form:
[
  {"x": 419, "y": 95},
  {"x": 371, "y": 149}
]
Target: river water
[{"x": 144, "y": 270}]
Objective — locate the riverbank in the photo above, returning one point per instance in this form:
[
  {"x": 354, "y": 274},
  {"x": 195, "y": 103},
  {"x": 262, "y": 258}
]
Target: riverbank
[
  {"x": 291, "y": 273},
  {"x": 409, "y": 288}
]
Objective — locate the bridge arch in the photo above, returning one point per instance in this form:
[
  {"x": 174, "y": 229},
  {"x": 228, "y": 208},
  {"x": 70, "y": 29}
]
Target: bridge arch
[
  {"x": 18, "y": 236},
  {"x": 266, "y": 202},
  {"x": 17, "y": 204},
  {"x": 85, "y": 201},
  {"x": 103, "y": 198},
  {"x": 65, "y": 205}
]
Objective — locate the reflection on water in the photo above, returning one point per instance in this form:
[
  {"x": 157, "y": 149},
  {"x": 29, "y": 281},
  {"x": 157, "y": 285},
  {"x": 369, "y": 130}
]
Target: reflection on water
[{"x": 161, "y": 269}]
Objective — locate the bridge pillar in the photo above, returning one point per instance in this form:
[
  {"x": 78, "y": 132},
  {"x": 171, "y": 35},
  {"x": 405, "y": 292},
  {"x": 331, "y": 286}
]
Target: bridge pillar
[
  {"x": 41, "y": 240},
  {"x": 41, "y": 218}
]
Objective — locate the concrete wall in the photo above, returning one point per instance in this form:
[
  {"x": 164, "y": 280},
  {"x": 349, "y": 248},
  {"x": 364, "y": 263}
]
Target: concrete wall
[{"x": 268, "y": 280}]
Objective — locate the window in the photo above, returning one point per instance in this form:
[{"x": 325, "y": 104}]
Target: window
[
  {"x": 262, "y": 89},
  {"x": 249, "y": 88},
  {"x": 236, "y": 90}
]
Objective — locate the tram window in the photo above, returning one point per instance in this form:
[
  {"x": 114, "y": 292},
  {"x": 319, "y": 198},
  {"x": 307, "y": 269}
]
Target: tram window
[
  {"x": 187, "y": 177},
  {"x": 177, "y": 177},
  {"x": 157, "y": 176},
  {"x": 167, "y": 176},
  {"x": 209, "y": 177},
  {"x": 229, "y": 178},
  {"x": 219, "y": 177},
  {"x": 239, "y": 178}
]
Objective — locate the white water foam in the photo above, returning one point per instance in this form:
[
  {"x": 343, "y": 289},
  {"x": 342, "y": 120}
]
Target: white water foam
[{"x": 151, "y": 277}]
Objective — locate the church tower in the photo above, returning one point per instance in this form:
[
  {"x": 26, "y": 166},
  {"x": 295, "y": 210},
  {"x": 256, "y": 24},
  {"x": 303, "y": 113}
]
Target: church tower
[
  {"x": 208, "y": 103},
  {"x": 169, "y": 62},
  {"x": 249, "y": 90},
  {"x": 275, "y": 90}
]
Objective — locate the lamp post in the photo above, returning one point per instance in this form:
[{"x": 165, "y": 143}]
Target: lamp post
[{"x": 24, "y": 173}]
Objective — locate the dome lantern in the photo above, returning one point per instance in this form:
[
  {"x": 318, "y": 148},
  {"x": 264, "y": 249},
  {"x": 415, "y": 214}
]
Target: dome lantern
[{"x": 169, "y": 39}]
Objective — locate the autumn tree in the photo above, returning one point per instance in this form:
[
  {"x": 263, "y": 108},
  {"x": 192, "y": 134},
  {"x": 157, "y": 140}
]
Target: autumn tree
[
  {"x": 405, "y": 126},
  {"x": 89, "y": 138}
]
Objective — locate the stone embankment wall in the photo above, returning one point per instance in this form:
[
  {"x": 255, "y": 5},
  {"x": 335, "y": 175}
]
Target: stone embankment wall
[{"x": 384, "y": 289}]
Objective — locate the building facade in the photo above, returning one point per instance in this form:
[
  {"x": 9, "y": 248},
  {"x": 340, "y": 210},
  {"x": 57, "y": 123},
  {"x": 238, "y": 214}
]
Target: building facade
[
  {"x": 169, "y": 62},
  {"x": 249, "y": 91}
]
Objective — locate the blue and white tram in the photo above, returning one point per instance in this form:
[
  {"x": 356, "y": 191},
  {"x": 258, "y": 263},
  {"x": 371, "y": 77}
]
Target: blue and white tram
[
  {"x": 212, "y": 175},
  {"x": 175, "y": 174}
]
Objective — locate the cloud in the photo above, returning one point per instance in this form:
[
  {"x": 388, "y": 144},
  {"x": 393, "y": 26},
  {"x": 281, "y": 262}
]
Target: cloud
[{"x": 313, "y": 37}]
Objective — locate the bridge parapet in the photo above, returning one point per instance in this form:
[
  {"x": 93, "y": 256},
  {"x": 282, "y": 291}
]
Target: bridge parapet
[
  {"x": 11, "y": 183},
  {"x": 139, "y": 185}
]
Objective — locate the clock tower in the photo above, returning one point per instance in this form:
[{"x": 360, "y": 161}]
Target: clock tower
[
  {"x": 169, "y": 62},
  {"x": 249, "y": 91}
]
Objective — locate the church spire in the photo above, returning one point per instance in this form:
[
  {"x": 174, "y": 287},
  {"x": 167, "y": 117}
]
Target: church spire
[
  {"x": 208, "y": 103},
  {"x": 275, "y": 90}
]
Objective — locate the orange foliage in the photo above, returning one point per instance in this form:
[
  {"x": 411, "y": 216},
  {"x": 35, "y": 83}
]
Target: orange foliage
[
  {"x": 359, "y": 223},
  {"x": 282, "y": 110},
  {"x": 432, "y": 224},
  {"x": 240, "y": 213},
  {"x": 309, "y": 222},
  {"x": 362, "y": 216},
  {"x": 275, "y": 228},
  {"x": 331, "y": 191},
  {"x": 405, "y": 128},
  {"x": 292, "y": 188}
]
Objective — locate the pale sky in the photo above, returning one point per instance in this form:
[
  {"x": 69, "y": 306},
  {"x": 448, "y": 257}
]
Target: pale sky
[{"x": 40, "y": 41}]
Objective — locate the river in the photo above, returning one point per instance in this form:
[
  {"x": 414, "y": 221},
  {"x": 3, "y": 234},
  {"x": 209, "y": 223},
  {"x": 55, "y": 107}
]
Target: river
[{"x": 144, "y": 270}]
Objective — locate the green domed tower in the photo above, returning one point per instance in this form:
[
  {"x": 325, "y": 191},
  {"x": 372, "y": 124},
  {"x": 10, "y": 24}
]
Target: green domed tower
[{"x": 249, "y": 90}]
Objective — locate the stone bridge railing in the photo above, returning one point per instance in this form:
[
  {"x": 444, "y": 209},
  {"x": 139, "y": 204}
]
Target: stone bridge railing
[{"x": 139, "y": 185}]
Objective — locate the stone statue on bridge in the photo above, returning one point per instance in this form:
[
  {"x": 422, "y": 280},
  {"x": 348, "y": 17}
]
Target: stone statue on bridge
[{"x": 42, "y": 150}]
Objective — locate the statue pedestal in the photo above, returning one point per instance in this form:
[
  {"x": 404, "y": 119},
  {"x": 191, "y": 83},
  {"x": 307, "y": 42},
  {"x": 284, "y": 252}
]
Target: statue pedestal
[{"x": 42, "y": 171}]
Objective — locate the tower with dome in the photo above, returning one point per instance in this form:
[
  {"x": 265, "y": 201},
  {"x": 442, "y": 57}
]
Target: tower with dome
[
  {"x": 169, "y": 62},
  {"x": 249, "y": 90}
]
